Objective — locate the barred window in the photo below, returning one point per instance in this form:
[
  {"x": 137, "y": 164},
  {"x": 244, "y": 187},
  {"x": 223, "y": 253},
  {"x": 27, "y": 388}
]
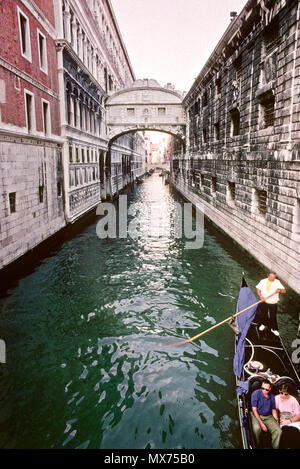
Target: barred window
[
  {"x": 161, "y": 111},
  {"x": 268, "y": 112},
  {"x": 12, "y": 202},
  {"x": 231, "y": 192},
  {"x": 235, "y": 122},
  {"x": 130, "y": 111},
  {"x": 41, "y": 194},
  {"x": 271, "y": 35},
  {"x": 217, "y": 131},
  {"x": 218, "y": 85},
  {"x": 260, "y": 201},
  {"x": 213, "y": 184}
]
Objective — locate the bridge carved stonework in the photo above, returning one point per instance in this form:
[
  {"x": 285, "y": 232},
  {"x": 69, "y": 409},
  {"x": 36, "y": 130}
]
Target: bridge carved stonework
[{"x": 146, "y": 106}]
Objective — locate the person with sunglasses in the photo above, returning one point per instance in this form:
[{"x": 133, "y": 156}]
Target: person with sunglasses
[
  {"x": 264, "y": 416},
  {"x": 288, "y": 407}
]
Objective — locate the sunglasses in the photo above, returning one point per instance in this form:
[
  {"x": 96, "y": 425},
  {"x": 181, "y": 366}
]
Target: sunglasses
[
  {"x": 284, "y": 393},
  {"x": 267, "y": 390}
]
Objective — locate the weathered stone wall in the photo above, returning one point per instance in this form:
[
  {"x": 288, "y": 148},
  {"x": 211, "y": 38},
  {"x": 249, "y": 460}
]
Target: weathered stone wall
[
  {"x": 26, "y": 166},
  {"x": 243, "y": 156}
]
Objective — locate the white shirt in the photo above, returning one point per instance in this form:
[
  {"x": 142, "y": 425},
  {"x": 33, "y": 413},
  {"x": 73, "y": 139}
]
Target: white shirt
[{"x": 267, "y": 288}]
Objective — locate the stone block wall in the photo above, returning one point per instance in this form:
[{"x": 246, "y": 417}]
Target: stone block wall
[
  {"x": 31, "y": 208},
  {"x": 243, "y": 160}
]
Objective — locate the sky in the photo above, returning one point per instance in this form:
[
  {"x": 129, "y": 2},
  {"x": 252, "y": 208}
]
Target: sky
[{"x": 170, "y": 40}]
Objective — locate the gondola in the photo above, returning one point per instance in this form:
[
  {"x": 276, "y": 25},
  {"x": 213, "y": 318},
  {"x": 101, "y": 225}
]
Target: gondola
[{"x": 265, "y": 357}]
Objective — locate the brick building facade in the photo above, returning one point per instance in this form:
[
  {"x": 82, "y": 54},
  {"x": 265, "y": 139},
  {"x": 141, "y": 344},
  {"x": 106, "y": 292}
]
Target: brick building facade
[
  {"x": 31, "y": 184},
  {"x": 243, "y": 155}
]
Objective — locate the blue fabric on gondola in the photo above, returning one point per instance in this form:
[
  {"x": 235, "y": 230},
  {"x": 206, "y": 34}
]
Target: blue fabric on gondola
[
  {"x": 246, "y": 298},
  {"x": 242, "y": 387}
]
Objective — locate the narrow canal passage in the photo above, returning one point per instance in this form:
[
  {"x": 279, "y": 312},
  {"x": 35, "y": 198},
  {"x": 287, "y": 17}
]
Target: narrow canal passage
[{"x": 88, "y": 334}]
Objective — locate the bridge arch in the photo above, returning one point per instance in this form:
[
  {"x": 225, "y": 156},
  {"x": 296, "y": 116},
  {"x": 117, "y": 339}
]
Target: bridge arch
[{"x": 131, "y": 130}]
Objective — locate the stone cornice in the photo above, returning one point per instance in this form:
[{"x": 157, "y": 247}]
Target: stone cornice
[
  {"x": 143, "y": 88},
  {"x": 7, "y": 135},
  {"x": 28, "y": 78},
  {"x": 63, "y": 44}
]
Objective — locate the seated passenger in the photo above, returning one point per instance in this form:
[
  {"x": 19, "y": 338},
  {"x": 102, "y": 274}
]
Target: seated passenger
[
  {"x": 264, "y": 417},
  {"x": 288, "y": 407}
]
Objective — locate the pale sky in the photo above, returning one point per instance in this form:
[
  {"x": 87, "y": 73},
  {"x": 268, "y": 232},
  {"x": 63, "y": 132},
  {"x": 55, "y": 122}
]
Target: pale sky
[{"x": 170, "y": 40}]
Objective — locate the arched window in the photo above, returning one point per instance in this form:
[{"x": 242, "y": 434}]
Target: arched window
[
  {"x": 101, "y": 167},
  {"x": 81, "y": 111},
  {"x": 75, "y": 98},
  {"x": 68, "y": 103}
]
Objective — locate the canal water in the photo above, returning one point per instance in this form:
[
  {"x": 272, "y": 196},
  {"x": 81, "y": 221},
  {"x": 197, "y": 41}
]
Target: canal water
[{"x": 88, "y": 335}]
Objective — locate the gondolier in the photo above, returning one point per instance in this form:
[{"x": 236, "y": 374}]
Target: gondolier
[{"x": 265, "y": 288}]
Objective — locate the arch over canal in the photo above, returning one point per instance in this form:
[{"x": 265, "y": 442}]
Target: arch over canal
[{"x": 146, "y": 106}]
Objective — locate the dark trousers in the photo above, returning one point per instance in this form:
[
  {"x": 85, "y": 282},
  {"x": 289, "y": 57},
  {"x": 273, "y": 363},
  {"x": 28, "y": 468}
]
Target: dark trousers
[{"x": 267, "y": 315}]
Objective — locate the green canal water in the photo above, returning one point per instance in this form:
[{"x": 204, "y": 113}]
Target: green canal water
[{"x": 88, "y": 334}]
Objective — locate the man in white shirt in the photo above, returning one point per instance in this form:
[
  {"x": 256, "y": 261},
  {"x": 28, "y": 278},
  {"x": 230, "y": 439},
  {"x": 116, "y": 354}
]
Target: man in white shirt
[{"x": 268, "y": 291}]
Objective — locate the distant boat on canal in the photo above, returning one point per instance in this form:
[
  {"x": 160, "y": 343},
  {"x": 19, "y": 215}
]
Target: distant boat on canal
[{"x": 139, "y": 180}]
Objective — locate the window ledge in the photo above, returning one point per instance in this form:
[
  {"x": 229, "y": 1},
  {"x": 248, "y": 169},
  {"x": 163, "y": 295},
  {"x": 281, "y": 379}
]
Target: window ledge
[{"x": 267, "y": 89}]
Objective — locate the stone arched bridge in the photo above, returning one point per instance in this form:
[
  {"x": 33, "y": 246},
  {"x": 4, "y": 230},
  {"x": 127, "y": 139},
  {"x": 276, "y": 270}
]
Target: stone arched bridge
[{"x": 146, "y": 106}]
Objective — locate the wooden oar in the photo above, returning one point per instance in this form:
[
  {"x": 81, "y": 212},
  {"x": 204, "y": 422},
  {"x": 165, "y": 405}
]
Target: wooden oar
[{"x": 219, "y": 324}]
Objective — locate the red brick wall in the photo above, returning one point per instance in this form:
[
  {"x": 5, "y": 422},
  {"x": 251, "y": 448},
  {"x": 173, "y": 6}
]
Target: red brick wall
[
  {"x": 46, "y": 6},
  {"x": 13, "y": 111}
]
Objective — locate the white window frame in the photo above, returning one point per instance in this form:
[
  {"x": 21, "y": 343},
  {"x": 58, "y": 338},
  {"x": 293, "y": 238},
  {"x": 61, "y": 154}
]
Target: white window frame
[
  {"x": 27, "y": 54},
  {"x": 33, "y": 116},
  {"x": 44, "y": 67},
  {"x": 49, "y": 130}
]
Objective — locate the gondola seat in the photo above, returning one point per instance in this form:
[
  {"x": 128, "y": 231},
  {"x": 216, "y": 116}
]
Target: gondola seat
[
  {"x": 290, "y": 438},
  {"x": 254, "y": 383},
  {"x": 285, "y": 380}
]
